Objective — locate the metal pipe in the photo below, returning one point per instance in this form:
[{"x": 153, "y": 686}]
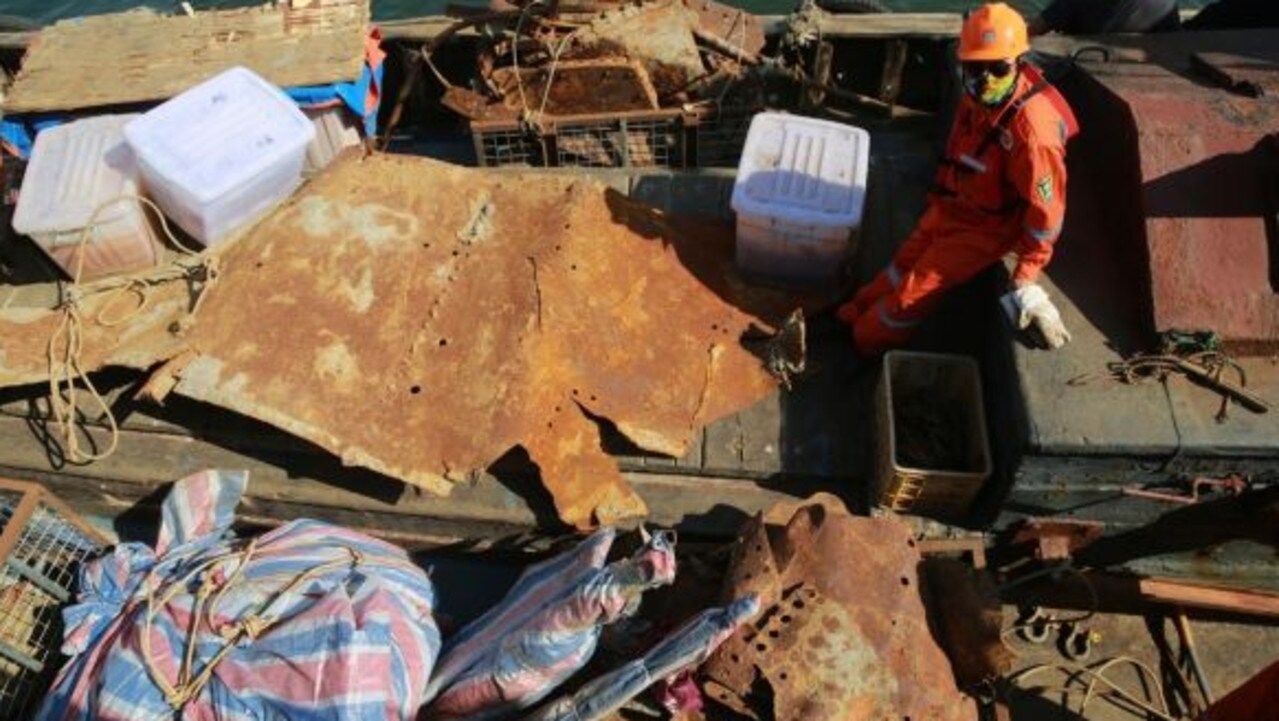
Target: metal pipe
[{"x": 1188, "y": 645}]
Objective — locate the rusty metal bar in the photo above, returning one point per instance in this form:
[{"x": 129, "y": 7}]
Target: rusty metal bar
[
  {"x": 21, "y": 514},
  {"x": 42, "y": 495},
  {"x": 890, "y": 83}
]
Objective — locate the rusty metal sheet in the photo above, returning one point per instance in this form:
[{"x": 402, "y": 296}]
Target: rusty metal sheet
[
  {"x": 737, "y": 26},
  {"x": 844, "y": 633},
  {"x": 1197, "y": 181},
  {"x": 1243, "y": 74},
  {"x": 605, "y": 85},
  {"x": 421, "y": 319},
  {"x": 971, "y": 620},
  {"x": 658, "y": 34},
  {"x": 151, "y": 334}
]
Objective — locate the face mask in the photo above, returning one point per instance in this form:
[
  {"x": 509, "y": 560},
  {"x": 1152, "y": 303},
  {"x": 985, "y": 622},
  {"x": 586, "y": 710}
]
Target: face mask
[{"x": 989, "y": 83}]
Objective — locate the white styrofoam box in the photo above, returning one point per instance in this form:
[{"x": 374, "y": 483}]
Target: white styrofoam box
[
  {"x": 76, "y": 170},
  {"x": 221, "y": 153},
  {"x": 799, "y": 193}
]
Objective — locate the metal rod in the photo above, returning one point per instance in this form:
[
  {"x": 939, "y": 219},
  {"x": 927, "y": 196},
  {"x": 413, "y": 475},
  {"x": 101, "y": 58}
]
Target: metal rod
[
  {"x": 36, "y": 578},
  {"x": 16, "y": 655},
  {"x": 1188, "y": 645}
]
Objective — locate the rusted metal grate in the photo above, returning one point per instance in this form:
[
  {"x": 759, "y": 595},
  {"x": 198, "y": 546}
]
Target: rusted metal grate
[
  {"x": 644, "y": 139},
  {"x": 623, "y": 144},
  {"x": 42, "y": 544},
  {"x": 507, "y": 146},
  {"x": 721, "y": 135}
]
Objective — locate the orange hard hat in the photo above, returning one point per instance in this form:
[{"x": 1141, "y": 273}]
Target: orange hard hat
[{"x": 993, "y": 32}]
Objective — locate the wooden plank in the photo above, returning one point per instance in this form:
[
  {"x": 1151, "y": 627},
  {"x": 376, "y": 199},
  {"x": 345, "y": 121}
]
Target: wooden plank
[
  {"x": 424, "y": 29},
  {"x": 761, "y": 426},
  {"x": 695, "y": 459},
  {"x": 925, "y": 25},
  {"x": 283, "y": 483},
  {"x": 1186, "y": 595},
  {"x": 724, "y": 444},
  {"x": 888, "y": 25},
  {"x": 918, "y": 25},
  {"x": 140, "y": 56}
]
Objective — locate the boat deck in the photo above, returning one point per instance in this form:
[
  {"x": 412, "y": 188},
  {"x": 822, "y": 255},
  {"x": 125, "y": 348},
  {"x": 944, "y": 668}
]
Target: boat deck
[
  {"x": 1061, "y": 447},
  {"x": 813, "y": 437}
]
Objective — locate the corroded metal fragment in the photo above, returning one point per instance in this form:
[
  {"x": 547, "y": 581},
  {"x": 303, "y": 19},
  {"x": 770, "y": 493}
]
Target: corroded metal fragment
[
  {"x": 421, "y": 319},
  {"x": 115, "y": 327},
  {"x": 844, "y": 634}
]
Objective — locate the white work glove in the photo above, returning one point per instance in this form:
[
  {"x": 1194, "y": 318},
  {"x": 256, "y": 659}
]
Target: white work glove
[{"x": 1029, "y": 305}]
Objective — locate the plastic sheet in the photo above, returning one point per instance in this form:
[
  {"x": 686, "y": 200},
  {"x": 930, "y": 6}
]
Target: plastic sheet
[{"x": 307, "y": 621}]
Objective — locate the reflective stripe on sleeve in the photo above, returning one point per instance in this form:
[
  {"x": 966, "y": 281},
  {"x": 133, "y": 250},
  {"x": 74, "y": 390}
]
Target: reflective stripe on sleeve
[
  {"x": 1043, "y": 236},
  {"x": 886, "y": 318},
  {"x": 972, "y": 163}
]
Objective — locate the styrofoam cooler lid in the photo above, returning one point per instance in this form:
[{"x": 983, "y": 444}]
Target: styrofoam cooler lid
[
  {"x": 74, "y": 169},
  {"x": 803, "y": 170},
  {"x": 219, "y": 134}
]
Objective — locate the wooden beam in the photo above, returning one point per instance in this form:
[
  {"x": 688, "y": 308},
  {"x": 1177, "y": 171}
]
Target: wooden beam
[
  {"x": 1251, "y": 602},
  {"x": 284, "y": 484},
  {"x": 140, "y": 56},
  {"x": 888, "y": 25},
  {"x": 1130, "y": 593},
  {"x": 939, "y": 26}
]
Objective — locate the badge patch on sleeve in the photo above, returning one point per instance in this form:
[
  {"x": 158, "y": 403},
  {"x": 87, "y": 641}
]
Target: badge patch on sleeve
[{"x": 1044, "y": 187}]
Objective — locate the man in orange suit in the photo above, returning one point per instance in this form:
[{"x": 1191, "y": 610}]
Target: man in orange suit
[{"x": 1001, "y": 189}]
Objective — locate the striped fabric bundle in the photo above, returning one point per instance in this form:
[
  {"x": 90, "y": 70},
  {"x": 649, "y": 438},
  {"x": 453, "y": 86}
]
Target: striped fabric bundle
[
  {"x": 308, "y": 621},
  {"x": 545, "y": 630}
]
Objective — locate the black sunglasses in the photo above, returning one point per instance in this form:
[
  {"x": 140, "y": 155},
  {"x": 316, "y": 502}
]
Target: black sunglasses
[{"x": 993, "y": 68}]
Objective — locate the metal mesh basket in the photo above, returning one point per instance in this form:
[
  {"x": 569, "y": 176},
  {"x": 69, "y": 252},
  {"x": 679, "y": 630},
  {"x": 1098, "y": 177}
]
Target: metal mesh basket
[
  {"x": 721, "y": 135},
  {"x": 42, "y": 544},
  {"x": 672, "y": 138}
]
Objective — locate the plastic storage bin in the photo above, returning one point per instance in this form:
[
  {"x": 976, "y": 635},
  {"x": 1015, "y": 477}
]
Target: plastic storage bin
[
  {"x": 76, "y": 170},
  {"x": 933, "y": 456},
  {"x": 218, "y": 155},
  {"x": 800, "y": 189}
]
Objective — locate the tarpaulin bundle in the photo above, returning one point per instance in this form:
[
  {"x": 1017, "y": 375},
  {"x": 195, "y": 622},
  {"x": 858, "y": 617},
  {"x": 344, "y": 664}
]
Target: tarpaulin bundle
[
  {"x": 690, "y": 645},
  {"x": 307, "y": 621},
  {"x": 545, "y": 629}
]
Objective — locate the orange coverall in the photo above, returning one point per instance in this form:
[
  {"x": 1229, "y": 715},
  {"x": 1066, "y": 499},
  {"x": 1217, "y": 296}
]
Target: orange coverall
[{"x": 1001, "y": 189}]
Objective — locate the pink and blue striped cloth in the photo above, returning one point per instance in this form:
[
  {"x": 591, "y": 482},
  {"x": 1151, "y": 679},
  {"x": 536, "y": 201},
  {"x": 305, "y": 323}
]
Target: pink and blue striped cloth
[
  {"x": 312, "y": 622},
  {"x": 545, "y": 629},
  {"x": 687, "y": 647},
  {"x": 346, "y": 629}
]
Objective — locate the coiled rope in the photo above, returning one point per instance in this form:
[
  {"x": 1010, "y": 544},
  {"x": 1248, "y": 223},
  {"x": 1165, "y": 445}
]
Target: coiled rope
[{"x": 66, "y": 345}]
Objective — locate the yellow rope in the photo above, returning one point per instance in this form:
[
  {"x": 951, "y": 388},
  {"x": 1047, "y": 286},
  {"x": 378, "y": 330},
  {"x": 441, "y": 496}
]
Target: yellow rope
[
  {"x": 66, "y": 345},
  {"x": 1097, "y": 674},
  {"x": 208, "y": 596}
]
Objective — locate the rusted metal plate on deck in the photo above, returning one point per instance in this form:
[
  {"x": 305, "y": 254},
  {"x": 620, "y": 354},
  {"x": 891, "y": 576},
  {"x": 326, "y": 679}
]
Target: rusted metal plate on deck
[
  {"x": 733, "y": 24},
  {"x": 151, "y": 334},
  {"x": 139, "y": 56},
  {"x": 844, "y": 634},
  {"x": 1208, "y": 168},
  {"x": 659, "y": 35},
  {"x": 421, "y": 319},
  {"x": 1250, "y": 76}
]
